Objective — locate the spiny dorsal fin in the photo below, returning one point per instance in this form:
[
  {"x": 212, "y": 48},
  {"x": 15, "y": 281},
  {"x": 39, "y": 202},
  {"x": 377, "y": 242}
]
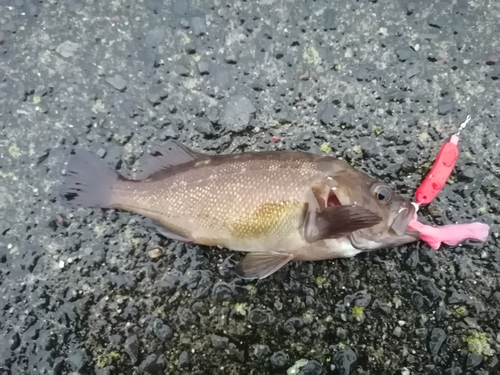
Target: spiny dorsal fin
[{"x": 168, "y": 155}]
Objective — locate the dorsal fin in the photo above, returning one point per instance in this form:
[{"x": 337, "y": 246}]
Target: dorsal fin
[{"x": 168, "y": 155}]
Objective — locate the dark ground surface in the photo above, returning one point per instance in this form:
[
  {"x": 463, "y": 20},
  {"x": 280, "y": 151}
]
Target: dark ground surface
[{"x": 382, "y": 83}]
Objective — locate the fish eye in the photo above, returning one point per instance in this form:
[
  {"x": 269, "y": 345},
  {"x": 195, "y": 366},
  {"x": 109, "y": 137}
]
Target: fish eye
[{"x": 383, "y": 193}]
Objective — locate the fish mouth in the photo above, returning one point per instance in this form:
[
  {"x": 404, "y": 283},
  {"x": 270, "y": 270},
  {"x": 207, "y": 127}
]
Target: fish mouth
[{"x": 403, "y": 217}]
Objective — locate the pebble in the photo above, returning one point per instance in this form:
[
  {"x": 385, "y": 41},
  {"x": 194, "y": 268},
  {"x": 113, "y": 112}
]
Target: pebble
[
  {"x": 445, "y": 108},
  {"x": 198, "y": 25},
  {"x": 77, "y": 360},
  {"x": 155, "y": 37},
  {"x": 183, "y": 71},
  {"x": 230, "y": 58},
  {"x": 204, "y": 126},
  {"x": 261, "y": 316},
  {"x": 431, "y": 290},
  {"x": 161, "y": 330},
  {"x": 152, "y": 364},
  {"x": 67, "y": 49},
  {"x": 437, "y": 338},
  {"x": 219, "y": 342},
  {"x": 474, "y": 360},
  {"x": 327, "y": 112},
  {"x": 404, "y": 54},
  {"x": 292, "y": 324},
  {"x": 2, "y": 37},
  {"x": 186, "y": 316},
  {"x": 261, "y": 351},
  {"x": 180, "y": 7},
  {"x": 131, "y": 347},
  {"x": 237, "y": 113},
  {"x": 413, "y": 259},
  {"x": 118, "y": 82},
  {"x": 183, "y": 359},
  {"x": 279, "y": 359},
  {"x": 154, "y": 253},
  {"x": 345, "y": 361},
  {"x": 157, "y": 93},
  {"x": 311, "y": 368},
  {"x": 330, "y": 19},
  {"x": 203, "y": 67}
]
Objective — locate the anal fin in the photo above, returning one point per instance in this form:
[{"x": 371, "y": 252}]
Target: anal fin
[
  {"x": 337, "y": 221},
  {"x": 261, "y": 264},
  {"x": 160, "y": 229}
]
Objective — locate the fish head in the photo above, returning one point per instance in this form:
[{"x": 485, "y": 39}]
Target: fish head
[{"x": 396, "y": 212}]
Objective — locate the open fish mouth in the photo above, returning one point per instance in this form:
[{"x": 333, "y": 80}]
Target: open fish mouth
[{"x": 400, "y": 223}]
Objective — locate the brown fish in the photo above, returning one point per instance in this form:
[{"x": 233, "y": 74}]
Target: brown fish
[{"x": 276, "y": 206}]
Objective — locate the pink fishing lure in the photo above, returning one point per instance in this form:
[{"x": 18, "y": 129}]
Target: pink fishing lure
[{"x": 448, "y": 234}]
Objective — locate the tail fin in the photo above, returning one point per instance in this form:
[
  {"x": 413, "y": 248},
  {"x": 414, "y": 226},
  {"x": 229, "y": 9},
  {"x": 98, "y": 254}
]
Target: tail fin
[{"x": 88, "y": 181}]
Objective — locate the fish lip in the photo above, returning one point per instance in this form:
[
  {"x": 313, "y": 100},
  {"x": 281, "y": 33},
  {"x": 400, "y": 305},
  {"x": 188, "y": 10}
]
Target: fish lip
[{"x": 403, "y": 217}]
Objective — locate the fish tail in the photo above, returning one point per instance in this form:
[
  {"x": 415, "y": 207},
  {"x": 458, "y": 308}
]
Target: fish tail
[{"x": 89, "y": 181}]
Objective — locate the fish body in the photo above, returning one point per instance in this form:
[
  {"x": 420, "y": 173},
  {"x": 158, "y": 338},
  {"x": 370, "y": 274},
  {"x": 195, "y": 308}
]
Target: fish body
[{"x": 275, "y": 206}]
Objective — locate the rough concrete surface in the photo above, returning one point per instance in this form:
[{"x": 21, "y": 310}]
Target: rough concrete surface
[{"x": 379, "y": 83}]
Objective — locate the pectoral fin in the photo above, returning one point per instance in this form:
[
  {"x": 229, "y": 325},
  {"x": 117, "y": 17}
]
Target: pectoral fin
[
  {"x": 259, "y": 265},
  {"x": 337, "y": 221}
]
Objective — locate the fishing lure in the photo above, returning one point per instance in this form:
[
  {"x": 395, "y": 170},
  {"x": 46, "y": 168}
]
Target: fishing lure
[{"x": 431, "y": 186}]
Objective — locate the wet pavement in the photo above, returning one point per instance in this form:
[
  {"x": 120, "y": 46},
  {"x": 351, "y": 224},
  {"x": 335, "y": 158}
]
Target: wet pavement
[{"x": 381, "y": 84}]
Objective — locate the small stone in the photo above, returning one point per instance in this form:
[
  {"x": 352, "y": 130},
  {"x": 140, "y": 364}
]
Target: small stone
[
  {"x": 279, "y": 359},
  {"x": 155, "y": 37},
  {"x": 222, "y": 291},
  {"x": 445, "y": 108},
  {"x": 431, "y": 290},
  {"x": 237, "y": 113},
  {"x": 180, "y": 7},
  {"x": 397, "y": 331},
  {"x": 417, "y": 299},
  {"x": 384, "y": 306},
  {"x": 184, "y": 359},
  {"x": 131, "y": 347},
  {"x": 150, "y": 364},
  {"x": 345, "y": 361},
  {"x": 77, "y": 360},
  {"x": 67, "y": 49},
  {"x": 161, "y": 330},
  {"x": 74, "y": 5},
  {"x": 403, "y": 54},
  {"x": 203, "y": 68},
  {"x": 157, "y": 93},
  {"x": 154, "y": 253},
  {"x": 219, "y": 342},
  {"x": 261, "y": 316},
  {"x": 230, "y": 58},
  {"x": 199, "y": 26},
  {"x": 327, "y": 112},
  {"x": 2, "y": 38},
  {"x": 292, "y": 324},
  {"x": 204, "y": 126},
  {"x": 304, "y": 76},
  {"x": 190, "y": 49},
  {"x": 186, "y": 316},
  {"x": 183, "y": 71},
  {"x": 261, "y": 351},
  {"x": 101, "y": 153},
  {"x": 413, "y": 259},
  {"x": 438, "y": 337},
  {"x": 474, "y": 360},
  {"x": 118, "y": 82},
  {"x": 122, "y": 136},
  {"x": 213, "y": 114},
  {"x": 330, "y": 19},
  {"x": 412, "y": 72},
  {"x": 311, "y": 368},
  {"x": 341, "y": 333},
  {"x": 421, "y": 332}
]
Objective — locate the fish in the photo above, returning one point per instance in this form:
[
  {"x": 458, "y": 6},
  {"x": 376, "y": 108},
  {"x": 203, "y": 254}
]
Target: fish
[{"x": 274, "y": 206}]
